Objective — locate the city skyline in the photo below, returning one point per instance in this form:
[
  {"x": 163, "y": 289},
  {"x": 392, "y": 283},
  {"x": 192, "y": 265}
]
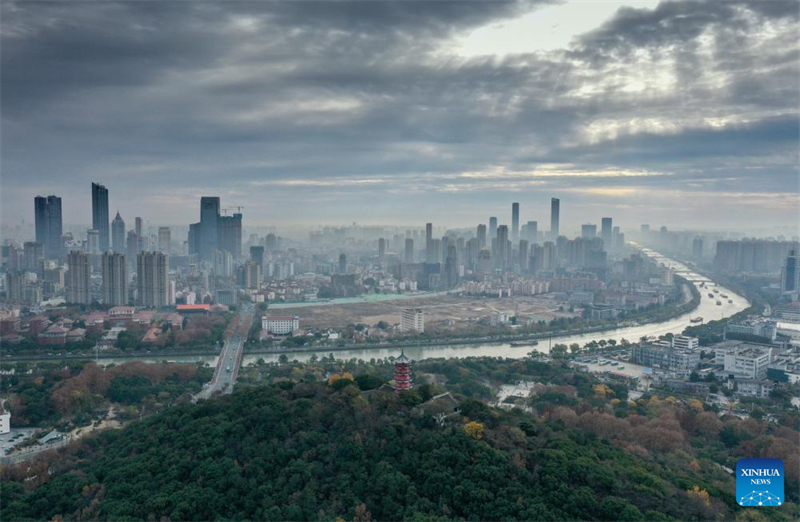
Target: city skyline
[{"x": 678, "y": 121}]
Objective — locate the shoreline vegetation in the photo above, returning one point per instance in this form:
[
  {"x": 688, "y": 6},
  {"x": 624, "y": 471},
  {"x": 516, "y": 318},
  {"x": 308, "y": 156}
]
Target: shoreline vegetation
[{"x": 665, "y": 314}]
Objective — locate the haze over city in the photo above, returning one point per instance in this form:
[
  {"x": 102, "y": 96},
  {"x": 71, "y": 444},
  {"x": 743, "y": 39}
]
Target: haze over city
[
  {"x": 402, "y": 112},
  {"x": 421, "y": 260}
]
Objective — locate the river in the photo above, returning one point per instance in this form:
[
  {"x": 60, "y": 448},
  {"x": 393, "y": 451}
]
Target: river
[{"x": 708, "y": 310}]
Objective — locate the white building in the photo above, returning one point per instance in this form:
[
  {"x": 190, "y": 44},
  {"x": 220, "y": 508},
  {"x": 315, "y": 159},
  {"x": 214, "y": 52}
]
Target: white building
[
  {"x": 684, "y": 342},
  {"x": 280, "y": 325},
  {"x": 413, "y": 320},
  {"x": 742, "y": 360},
  {"x": 754, "y": 325},
  {"x": 5, "y": 421}
]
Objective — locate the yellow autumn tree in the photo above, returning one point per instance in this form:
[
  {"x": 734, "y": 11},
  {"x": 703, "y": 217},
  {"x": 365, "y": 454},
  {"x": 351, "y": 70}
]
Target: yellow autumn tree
[
  {"x": 333, "y": 378},
  {"x": 474, "y": 430},
  {"x": 700, "y": 494},
  {"x": 601, "y": 390},
  {"x": 696, "y": 404}
]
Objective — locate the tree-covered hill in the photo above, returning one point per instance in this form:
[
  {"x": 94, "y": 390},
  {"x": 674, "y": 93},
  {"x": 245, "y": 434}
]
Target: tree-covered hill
[{"x": 319, "y": 451}]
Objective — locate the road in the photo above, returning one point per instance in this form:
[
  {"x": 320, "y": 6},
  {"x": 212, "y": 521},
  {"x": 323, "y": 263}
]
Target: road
[{"x": 230, "y": 359}]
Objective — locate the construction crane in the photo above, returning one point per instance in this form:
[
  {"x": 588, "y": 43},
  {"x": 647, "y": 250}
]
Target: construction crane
[{"x": 224, "y": 211}]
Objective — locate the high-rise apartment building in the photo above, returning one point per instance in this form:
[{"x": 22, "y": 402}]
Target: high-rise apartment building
[
  {"x": 515, "y": 222},
  {"x": 502, "y": 248},
  {"x": 555, "y": 210},
  {"x": 481, "y": 237},
  {"x": 33, "y": 253},
  {"x": 697, "y": 247},
  {"x": 257, "y": 254},
  {"x": 152, "y": 282},
  {"x": 118, "y": 234},
  {"x": 223, "y": 263},
  {"x": 492, "y": 229},
  {"x": 164, "y": 240},
  {"x": 78, "y": 278},
  {"x": 115, "y": 279},
  {"x": 132, "y": 248},
  {"x": 49, "y": 227},
  {"x": 533, "y": 231},
  {"x": 100, "y": 218},
  {"x": 93, "y": 241},
  {"x": 409, "y": 251},
  {"x": 381, "y": 249}
]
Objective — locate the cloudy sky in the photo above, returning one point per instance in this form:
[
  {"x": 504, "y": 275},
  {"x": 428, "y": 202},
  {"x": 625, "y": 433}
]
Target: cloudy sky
[{"x": 677, "y": 113}]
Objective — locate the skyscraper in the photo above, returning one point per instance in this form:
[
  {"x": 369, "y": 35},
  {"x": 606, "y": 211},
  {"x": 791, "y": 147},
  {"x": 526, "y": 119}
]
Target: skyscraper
[
  {"x": 257, "y": 254},
  {"x": 606, "y": 230},
  {"x": 697, "y": 247},
  {"x": 49, "y": 229},
  {"x": 588, "y": 230},
  {"x": 115, "y": 279},
  {"x": 33, "y": 252},
  {"x": 481, "y": 237},
  {"x": 533, "y": 231},
  {"x": 409, "y": 251},
  {"x": 502, "y": 248},
  {"x": 342, "y": 263},
  {"x": 100, "y": 214},
  {"x": 429, "y": 243},
  {"x": 515, "y": 222},
  {"x": 555, "y": 205},
  {"x": 164, "y": 240},
  {"x": 229, "y": 234},
  {"x": 152, "y": 283},
  {"x": 492, "y": 228},
  {"x": 790, "y": 274},
  {"x": 93, "y": 241},
  {"x": 132, "y": 248},
  {"x": 118, "y": 234},
  {"x": 209, "y": 216},
  {"x": 78, "y": 278},
  {"x": 141, "y": 235},
  {"x": 381, "y": 248}
]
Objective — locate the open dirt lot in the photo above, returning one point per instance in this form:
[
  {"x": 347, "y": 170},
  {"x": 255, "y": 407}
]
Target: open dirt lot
[{"x": 439, "y": 310}]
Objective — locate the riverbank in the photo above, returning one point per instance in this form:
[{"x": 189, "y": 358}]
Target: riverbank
[{"x": 558, "y": 335}]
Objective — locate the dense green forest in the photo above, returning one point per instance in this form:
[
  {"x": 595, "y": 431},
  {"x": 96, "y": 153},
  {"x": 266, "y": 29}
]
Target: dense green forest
[{"x": 297, "y": 450}]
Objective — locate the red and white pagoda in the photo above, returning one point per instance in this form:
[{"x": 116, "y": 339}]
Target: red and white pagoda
[{"x": 402, "y": 374}]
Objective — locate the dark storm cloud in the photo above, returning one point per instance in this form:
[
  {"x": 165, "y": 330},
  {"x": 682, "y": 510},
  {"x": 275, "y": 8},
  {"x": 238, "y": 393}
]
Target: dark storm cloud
[{"x": 268, "y": 101}]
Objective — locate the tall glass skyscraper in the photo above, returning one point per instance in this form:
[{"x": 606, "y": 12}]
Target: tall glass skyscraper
[
  {"x": 515, "y": 222},
  {"x": 100, "y": 214},
  {"x": 49, "y": 228},
  {"x": 555, "y": 205}
]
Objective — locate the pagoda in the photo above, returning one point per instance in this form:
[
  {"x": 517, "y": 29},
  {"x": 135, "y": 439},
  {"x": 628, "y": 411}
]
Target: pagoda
[{"x": 402, "y": 374}]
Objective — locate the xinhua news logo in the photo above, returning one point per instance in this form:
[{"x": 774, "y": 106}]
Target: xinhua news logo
[{"x": 759, "y": 482}]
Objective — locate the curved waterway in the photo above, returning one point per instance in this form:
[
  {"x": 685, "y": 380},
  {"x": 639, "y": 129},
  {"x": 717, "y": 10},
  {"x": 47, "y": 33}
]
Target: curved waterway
[{"x": 707, "y": 309}]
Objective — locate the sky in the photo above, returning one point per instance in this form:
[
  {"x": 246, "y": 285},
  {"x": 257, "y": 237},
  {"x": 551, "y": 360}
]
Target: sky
[{"x": 675, "y": 113}]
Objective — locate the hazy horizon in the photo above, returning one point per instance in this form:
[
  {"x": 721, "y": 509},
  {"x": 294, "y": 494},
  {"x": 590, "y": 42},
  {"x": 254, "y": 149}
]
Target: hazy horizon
[{"x": 676, "y": 113}]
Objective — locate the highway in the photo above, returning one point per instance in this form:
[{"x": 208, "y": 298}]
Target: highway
[{"x": 230, "y": 359}]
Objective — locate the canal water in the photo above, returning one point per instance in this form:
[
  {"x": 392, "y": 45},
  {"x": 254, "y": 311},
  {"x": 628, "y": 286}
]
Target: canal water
[{"x": 708, "y": 310}]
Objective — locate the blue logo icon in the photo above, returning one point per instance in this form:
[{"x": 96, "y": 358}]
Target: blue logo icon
[{"x": 759, "y": 482}]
